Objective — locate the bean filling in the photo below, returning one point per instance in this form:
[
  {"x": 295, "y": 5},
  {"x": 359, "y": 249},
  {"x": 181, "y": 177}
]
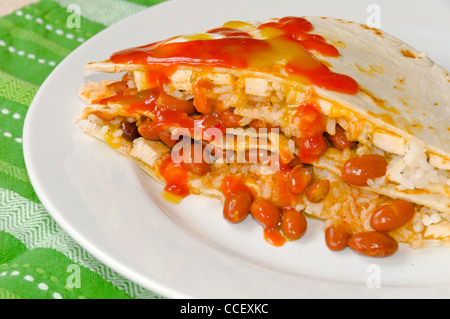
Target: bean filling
[
  {"x": 280, "y": 223},
  {"x": 359, "y": 170}
]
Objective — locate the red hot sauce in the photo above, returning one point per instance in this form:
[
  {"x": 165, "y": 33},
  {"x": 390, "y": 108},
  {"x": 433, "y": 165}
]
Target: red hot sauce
[{"x": 287, "y": 41}]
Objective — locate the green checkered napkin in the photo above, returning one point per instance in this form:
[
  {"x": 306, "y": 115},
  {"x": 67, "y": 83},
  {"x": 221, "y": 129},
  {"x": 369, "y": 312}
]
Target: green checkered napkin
[{"x": 37, "y": 258}]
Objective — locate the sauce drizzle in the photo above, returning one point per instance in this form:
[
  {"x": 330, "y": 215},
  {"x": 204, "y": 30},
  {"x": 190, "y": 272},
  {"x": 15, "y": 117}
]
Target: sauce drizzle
[{"x": 285, "y": 46}]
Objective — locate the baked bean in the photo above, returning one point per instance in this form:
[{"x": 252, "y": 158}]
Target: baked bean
[
  {"x": 390, "y": 217},
  {"x": 169, "y": 103},
  {"x": 237, "y": 207},
  {"x": 209, "y": 123},
  {"x": 299, "y": 178},
  {"x": 147, "y": 130},
  {"x": 295, "y": 161},
  {"x": 336, "y": 237},
  {"x": 175, "y": 176},
  {"x": 373, "y": 244},
  {"x": 274, "y": 236},
  {"x": 339, "y": 140},
  {"x": 293, "y": 224},
  {"x": 230, "y": 119},
  {"x": 357, "y": 171},
  {"x": 200, "y": 169},
  {"x": 259, "y": 124},
  {"x": 318, "y": 191},
  {"x": 192, "y": 156},
  {"x": 232, "y": 185},
  {"x": 311, "y": 148},
  {"x": 311, "y": 120},
  {"x": 166, "y": 137},
  {"x": 214, "y": 152},
  {"x": 202, "y": 102},
  {"x": 130, "y": 131},
  {"x": 265, "y": 212}
]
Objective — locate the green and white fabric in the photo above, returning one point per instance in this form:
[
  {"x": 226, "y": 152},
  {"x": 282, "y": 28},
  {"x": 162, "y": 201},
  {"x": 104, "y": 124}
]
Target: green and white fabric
[{"x": 38, "y": 259}]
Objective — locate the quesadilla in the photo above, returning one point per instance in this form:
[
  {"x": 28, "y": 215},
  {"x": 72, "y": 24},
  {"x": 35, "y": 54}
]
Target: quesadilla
[{"x": 286, "y": 118}]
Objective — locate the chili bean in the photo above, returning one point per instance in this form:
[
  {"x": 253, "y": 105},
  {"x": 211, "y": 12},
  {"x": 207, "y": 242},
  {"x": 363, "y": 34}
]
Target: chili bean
[
  {"x": 170, "y": 103},
  {"x": 311, "y": 148},
  {"x": 237, "y": 207},
  {"x": 207, "y": 122},
  {"x": 318, "y": 191},
  {"x": 130, "y": 131},
  {"x": 259, "y": 124},
  {"x": 265, "y": 212},
  {"x": 214, "y": 152},
  {"x": 230, "y": 119},
  {"x": 339, "y": 140},
  {"x": 300, "y": 178},
  {"x": 390, "y": 217},
  {"x": 198, "y": 168},
  {"x": 175, "y": 176},
  {"x": 357, "y": 171},
  {"x": 202, "y": 103},
  {"x": 193, "y": 158},
  {"x": 311, "y": 120},
  {"x": 147, "y": 130},
  {"x": 295, "y": 161},
  {"x": 336, "y": 237},
  {"x": 293, "y": 224},
  {"x": 166, "y": 137},
  {"x": 373, "y": 244},
  {"x": 274, "y": 236},
  {"x": 232, "y": 185}
]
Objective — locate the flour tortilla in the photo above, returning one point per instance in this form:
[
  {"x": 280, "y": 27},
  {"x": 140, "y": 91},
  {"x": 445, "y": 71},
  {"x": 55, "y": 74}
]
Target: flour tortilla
[{"x": 403, "y": 93}]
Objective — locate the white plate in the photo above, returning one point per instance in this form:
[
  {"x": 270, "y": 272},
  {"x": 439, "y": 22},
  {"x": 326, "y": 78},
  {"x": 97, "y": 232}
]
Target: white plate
[{"x": 114, "y": 210}]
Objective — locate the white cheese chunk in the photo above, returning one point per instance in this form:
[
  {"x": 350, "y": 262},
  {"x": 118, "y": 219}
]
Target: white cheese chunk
[
  {"x": 221, "y": 78},
  {"x": 140, "y": 78},
  {"x": 439, "y": 162},
  {"x": 389, "y": 143},
  {"x": 438, "y": 230},
  {"x": 181, "y": 80},
  {"x": 258, "y": 87},
  {"x": 144, "y": 151}
]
